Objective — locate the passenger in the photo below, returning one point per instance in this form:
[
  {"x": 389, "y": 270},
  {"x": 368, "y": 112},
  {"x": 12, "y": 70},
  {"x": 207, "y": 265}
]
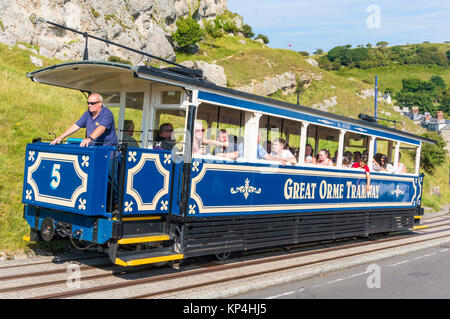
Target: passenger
[
  {"x": 356, "y": 157},
  {"x": 363, "y": 165},
  {"x": 347, "y": 160},
  {"x": 128, "y": 131},
  {"x": 376, "y": 163},
  {"x": 400, "y": 169},
  {"x": 295, "y": 151},
  {"x": 324, "y": 158},
  {"x": 349, "y": 155},
  {"x": 98, "y": 121},
  {"x": 281, "y": 154},
  {"x": 164, "y": 139},
  {"x": 229, "y": 151},
  {"x": 309, "y": 155},
  {"x": 200, "y": 142}
]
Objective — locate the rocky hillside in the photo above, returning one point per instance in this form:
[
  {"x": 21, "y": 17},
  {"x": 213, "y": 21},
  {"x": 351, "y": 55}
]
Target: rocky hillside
[{"x": 141, "y": 24}]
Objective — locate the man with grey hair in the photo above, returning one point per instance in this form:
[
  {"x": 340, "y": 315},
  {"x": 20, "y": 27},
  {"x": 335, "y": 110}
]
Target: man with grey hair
[{"x": 98, "y": 121}]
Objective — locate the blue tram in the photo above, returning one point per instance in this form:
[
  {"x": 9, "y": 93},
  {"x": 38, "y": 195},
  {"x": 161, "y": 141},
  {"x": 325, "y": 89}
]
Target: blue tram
[{"x": 141, "y": 203}]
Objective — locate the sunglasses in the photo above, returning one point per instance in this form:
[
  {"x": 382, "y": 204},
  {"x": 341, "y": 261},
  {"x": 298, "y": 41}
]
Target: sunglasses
[{"x": 92, "y": 103}]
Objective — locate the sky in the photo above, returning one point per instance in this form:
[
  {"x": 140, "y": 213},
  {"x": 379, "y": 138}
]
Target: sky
[{"x": 308, "y": 25}]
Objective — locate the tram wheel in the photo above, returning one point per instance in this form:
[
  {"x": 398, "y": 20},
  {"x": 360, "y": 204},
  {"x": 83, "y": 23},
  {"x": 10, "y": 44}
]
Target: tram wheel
[{"x": 223, "y": 256}]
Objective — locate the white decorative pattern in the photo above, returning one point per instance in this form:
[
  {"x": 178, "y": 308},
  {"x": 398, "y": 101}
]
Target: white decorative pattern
[
  {"x": 31, "y": 155},
  {"x": 192, "y": 209},
  {"x": 132, "y": 156},
  {"x": 85, "y": 162},
  {"x": 246, "y": 189},
  {"x": 164, "y": 204},
  {"x": 195, "y": 166},
  {"x": 397, "y": 192},
  {"x": 28, "y": 196},
  {"x": 167, "y": 159},
  {"x": 82, "y": 204},
  {"x": 128, "y": 207}
]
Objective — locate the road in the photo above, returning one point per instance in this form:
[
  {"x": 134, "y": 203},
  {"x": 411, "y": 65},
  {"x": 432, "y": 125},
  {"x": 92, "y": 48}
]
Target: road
[{"x": 421, "y": 274}]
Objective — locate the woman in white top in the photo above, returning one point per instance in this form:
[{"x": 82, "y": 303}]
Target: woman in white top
[
  {"x": 279, "y": 153},
  {"x": 309, "y": 155},
  {"x": 324, "y": 158}
]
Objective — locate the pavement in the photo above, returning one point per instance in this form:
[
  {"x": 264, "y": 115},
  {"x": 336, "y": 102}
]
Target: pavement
[{"x": 430, "y": 214}]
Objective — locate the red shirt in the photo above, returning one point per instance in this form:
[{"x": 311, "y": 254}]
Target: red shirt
[{"x": 366, "y": 168}]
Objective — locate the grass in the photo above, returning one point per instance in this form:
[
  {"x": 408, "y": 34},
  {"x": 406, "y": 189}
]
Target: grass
[
  {"x": 27, "y": 110},
  {"x": 391, "y": 76}
]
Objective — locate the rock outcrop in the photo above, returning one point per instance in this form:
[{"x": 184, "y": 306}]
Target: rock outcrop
[
  {"x": 285, "y": 82},
  {"x": 212, "y": 72},
  {"x": 140, "y": 24}
]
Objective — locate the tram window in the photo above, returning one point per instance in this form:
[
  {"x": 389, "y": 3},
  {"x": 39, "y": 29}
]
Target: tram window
[
  {"x": 214, "y": 119},
  {"x": 320, "y": 137},
  {"x": 170, "y": 97},
  {"x": 271, "y": 128},
  {"x": 132, "y": 130},
  {"x": 407, "y": 158},
  {"x": 177, "y": 118},
  {"x": 383, "y": 158},
  {"x": 354, "y": 146},
  {"x": 111, "y": 100}
]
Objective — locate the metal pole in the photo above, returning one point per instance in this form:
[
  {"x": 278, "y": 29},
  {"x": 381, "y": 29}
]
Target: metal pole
[
  {"x": 376, "y": 93},
  {"x": 376, "y": 109}
]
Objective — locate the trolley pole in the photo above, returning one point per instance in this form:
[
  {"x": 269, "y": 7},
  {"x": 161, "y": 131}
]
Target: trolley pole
[{"x": 376, "y": 109}]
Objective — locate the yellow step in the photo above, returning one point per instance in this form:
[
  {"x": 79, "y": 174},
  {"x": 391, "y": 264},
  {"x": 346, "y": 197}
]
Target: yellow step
[
  {"x": 420, "y": 227},
  {"x": 150, "y": 260},
  {"x": 145, "y": 239}
]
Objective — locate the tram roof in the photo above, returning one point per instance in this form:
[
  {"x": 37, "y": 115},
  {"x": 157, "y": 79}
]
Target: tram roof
[{"x": 67, "y": 75}]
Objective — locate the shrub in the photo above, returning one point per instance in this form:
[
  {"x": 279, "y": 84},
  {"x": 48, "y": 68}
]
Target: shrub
[
  {"x": 213, "y": 29},
  {"x": 188, "y": 33}
]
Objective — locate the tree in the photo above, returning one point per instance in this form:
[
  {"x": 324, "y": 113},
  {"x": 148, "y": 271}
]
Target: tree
[
  {"x": 445, "y": 104},
  {"x": 382, "y": 44},
  {"x": 432, "y": 155},
  {"x": 262, "y": 37},
  {"x": 247, "y": 31},
  {"x": 318, "y": 51},
  {"x": 188, "y": 33},
  {"x": 438, "y": 81}
]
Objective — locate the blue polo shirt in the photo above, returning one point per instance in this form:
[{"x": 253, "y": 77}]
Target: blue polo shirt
[{"x": 104, "y": 118}]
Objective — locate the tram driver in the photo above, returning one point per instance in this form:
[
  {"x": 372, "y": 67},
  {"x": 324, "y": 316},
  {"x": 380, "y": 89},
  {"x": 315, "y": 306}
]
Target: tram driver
[{"x": 98, "y": 121}]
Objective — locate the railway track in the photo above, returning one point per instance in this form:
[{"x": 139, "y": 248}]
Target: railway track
[{"x": 97, "y": 278}]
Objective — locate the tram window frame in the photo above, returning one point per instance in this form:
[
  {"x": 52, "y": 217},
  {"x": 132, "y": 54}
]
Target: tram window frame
[
  {"x": 272, "y": 127},
  {"x": 179, "y": 132},
  {"x": 138, "y": 120},
  {"x": 157, "y": 105},
  {"x": 349, "y": 146},
  {"x": 314, "y": 138},
  {"x": 410, "y": 157},
  {"x": 215, "y": 118}
]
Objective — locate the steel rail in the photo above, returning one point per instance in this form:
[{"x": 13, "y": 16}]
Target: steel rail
[{"x": 184, "y": 274}]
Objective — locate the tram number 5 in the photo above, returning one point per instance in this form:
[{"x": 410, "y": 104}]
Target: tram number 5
[{"x": 56, "y": 176}]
